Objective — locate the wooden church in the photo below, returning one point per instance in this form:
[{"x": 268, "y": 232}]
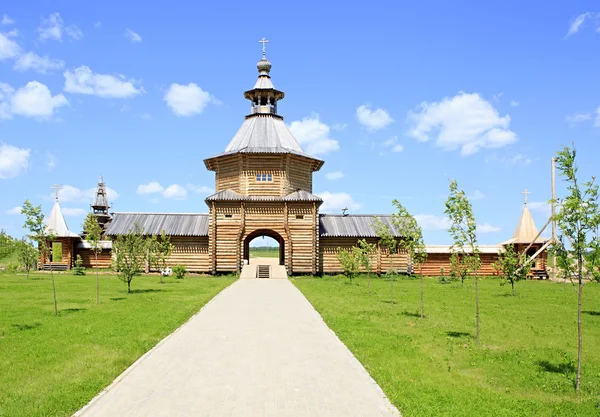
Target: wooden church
[{"x": 263, "y": 187}]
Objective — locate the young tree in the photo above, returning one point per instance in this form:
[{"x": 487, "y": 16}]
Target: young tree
[
  {"x": 412, "y": 239},
  {"x": 93, "y": 236},
  {"x": 159, "y": 251},
  {"x": 510, "y": 266},
  {"x": 463, "y": 230},
  {"x": 27, "y": 255},
  {"x": 459, "y": 265},
  {"x": 34, "y": 222},
  {"x": 130, "y": 252},
  {"x": 349, "y": 262},
  {"x": 389, "y": 243},
  {"x": 578, "y": 221},
  {"x": 363, "y": 255}
]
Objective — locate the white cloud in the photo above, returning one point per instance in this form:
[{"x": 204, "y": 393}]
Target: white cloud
[
  {"x": 13, "y": 160},
  {"x": 150, "y": 188},
  {"x": 200, "y": 189},
  {"x": 146, "y": 116},
  {"x": 432, "y": 222},
  {"x": 7, "y": 20},
  {"x": 579, "y": 118},
  {"x": 41, "y": 64},
  {"x": 8, "y": 47},
  {"x": 577, "y": 23},
  {"x": 84, "y": 81},
  {"x": 597, "y": 118},
  {"x": 132, "y": 36},
  {"x": 74, "y": 32},
  {"x": 337, "y": 201},
  {"x": 335, "y": 175},
  {"x": 71, "y": 194},
  {"x": 97, "y": 25},
  {"x": 519, "y": 160},
  {"x": 465, "y": 121},
  {"x": 477, "y": 195},
  {"x": 14, "y": 210},
  {"x": 392, "y": 145},
  {"x": 51, "y": 27},
  {"x": 541, "y": 207},
  {"x": 496, "y": 97},
  {"x": 187, "y": 100},
  {"x": 487, "y": 228},
  {"x": 373, "y": 119},
  {"x": 72, "y": 211},
  {"x": 313, "y": 135},
  {"x": 515, "y": 103},
  {"x": 338, "y": 127},
  {"x": 35, "y": 100},
  {"x": 175, "y": 192}
]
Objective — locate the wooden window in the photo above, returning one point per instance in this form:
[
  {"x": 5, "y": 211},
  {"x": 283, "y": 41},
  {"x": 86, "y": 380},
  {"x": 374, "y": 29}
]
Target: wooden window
[
  {"x": 228, "y": 216},
  {"x": 299, "y": 216},
  {"x": 264, "y": 177}
]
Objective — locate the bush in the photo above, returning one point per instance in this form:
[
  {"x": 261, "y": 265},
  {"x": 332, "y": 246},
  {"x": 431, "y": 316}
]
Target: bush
[
  {"x": 179, "y": 271},
  {"x": 13, "y": 267},
  {"x": 78, "y": 269}
]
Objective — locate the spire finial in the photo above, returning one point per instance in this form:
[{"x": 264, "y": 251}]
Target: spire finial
[
  {"x": 57, "y": 188},
  {"x": 264, "y": 42},
  {"x": 525, "y": 195}
]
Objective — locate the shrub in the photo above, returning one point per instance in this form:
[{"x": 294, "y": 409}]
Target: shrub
[
  {"x": 179, "y": 271},
  {"x": 78, "y": 269},
  {"x": 12, "y": 267}
]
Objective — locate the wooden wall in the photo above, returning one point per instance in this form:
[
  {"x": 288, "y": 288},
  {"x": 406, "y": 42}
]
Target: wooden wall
[
  {"x": 68, "y": 256},
  {"x": 435, "y": 261},
  {"x": 381, "y": 260},
  {"x": 228, "y": 174},
  {"x": 298, "y": 175},
  {"x": 89, "y": 259}
]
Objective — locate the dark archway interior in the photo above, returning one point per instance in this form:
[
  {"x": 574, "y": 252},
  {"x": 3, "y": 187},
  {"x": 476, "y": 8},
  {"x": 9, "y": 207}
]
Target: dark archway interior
[{"x": 269, "y": 233}]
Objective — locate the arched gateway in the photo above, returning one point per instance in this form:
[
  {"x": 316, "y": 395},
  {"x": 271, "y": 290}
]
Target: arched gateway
[{"x": 269, "y": 233}]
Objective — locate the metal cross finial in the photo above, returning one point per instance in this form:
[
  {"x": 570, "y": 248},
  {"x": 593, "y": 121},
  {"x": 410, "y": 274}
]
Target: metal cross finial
[
  {"x": 57, "y": 188},
  {"x": 264, "y": 42},
  {"x": 525, "y": 195},
  {"x": 344, "y": 210}
]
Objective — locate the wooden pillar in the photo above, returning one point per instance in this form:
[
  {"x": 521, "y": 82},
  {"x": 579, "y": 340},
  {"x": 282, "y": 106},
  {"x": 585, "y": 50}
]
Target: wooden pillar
[
  {"x": 315, "y": 239},
  {"x": 378, "y": 258},
  {"x": 239, "y": 241},
  {"x": 213, "y": 239},
  {"x": 286, "y": 227}
]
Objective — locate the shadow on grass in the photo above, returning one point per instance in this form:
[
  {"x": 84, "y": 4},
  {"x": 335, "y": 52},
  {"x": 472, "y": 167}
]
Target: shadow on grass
[
  {"x": 26, "y": 326},
  {"x": 591, "y": 312},
  {"x": 118, "y": 298},
  {"x": 459, "y": 334},
  {"x": 149, "y": 290},
  {"x": 409, "y": 314},
  {"x": 566, "y": 368},
  {"x": 389, "y": 301},
  {"x": 66, "y": 311}
]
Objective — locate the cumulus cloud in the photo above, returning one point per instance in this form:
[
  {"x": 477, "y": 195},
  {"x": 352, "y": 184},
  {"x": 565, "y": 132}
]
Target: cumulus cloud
[
  {"x": 150, "y": 188},
  {"x": 392, "y": 145},
  {"x": 518, "y": 160},
  {"x": 187, "y": 100},
  {"x": 8, "y": 48},
  {"x": 41, "y": 64},
  {"x": 335, "y": 202},
  {"x": 373, "y": 119},
  {"x": 70, "y": 194},
  {"x": 175, "y": 192},
  {"x": 14, "y": 211},
  {"x": 465, "y": 121},
  {"x": 432, "y": 222},
  {"x": 200, "y": 189},
  {"x": 487, "y": 228},
  {"x": 35, "y": 100},
  {"x": 335, "y": 175},
  {"x": 52, "y": 28},
  {"x": 6, "y": 20},
  {"x": 84, "y": 81},
  {"x": 313, "y": 135},
  {"x": 541, "y": 207},
  {"x": 13, "y": 160},
  {"x": 515, "y": 103},
  {"x": 132, "y": 36},
  {"x": 73, "y": 211}
]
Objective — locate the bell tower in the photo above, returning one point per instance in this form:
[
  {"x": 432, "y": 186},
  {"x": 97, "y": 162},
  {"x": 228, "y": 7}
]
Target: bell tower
[{"x": 100, "y": 207}]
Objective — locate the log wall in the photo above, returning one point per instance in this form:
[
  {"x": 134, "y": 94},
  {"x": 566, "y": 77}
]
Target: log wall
[
  {"x": 435, "y": 261},
  {"x": 89, "y": 259}
]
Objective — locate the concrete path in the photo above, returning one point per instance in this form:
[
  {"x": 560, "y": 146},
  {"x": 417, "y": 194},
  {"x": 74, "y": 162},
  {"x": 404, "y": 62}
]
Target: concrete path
[{"x": 257, "y": 349}]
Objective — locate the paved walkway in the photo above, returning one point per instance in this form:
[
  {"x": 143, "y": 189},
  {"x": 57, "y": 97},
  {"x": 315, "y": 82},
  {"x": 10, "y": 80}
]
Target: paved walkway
[{"x": 257, "y": 349}]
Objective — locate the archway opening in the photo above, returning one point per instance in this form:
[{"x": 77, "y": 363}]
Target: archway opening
[{"x": 264, "y": 247}]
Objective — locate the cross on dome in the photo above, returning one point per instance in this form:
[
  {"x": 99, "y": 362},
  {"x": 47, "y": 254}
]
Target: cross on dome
[
  {"x": 264, "y": 42},
  {"x": 525, "y": 193},
  {"x": 57, "y": 188}
]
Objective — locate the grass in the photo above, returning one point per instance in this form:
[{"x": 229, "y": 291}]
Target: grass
[
  {"x": 525, "y": 364},
  {"x": 264, "y": 252},
  {"x": 52, "y": 366}
]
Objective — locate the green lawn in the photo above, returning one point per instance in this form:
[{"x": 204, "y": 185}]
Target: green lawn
[
  {"x": 525, "y": 364},
  {"x": 264, "y": 252},
  {"x": 52, "y": 366}
]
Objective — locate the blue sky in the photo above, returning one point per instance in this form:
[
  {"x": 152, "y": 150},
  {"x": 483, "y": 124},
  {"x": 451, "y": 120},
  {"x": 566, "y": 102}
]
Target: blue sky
[{"x": 396, "y": 98}]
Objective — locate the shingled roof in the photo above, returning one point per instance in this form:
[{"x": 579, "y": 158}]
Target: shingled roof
[
  {"x": 352, "y": 225},
  {"x": 229, "y": 195},
  {"x": 174, "y": 224},
  {"x": 526, "y": 230}
]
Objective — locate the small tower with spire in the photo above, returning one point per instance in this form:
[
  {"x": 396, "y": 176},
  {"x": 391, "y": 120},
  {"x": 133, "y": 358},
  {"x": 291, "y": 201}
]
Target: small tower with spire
[{"x": 100, "y": 207}]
